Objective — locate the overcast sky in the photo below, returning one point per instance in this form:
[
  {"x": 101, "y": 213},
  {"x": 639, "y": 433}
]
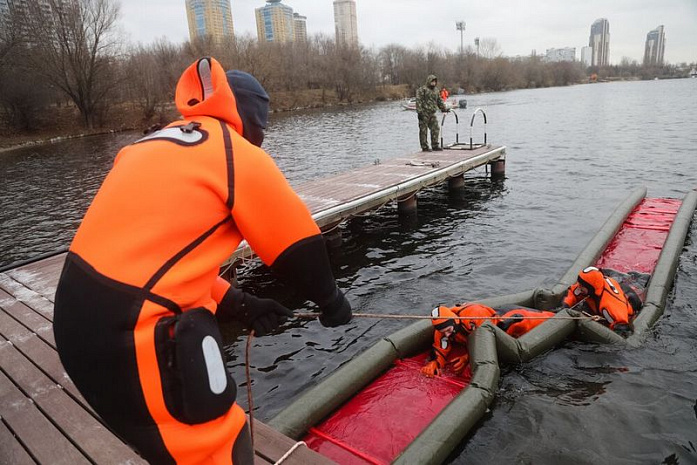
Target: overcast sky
[{"x": 519, "y": 26}]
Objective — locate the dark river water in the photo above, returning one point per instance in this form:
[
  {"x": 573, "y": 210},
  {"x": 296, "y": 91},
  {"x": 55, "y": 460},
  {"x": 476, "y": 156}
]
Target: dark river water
[{"x": 573, "y": 154}]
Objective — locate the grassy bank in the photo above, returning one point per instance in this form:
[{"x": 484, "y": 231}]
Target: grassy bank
[{"x": 63, "y": 122}]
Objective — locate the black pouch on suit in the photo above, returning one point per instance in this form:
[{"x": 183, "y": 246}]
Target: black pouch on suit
[{"x": 197, "y": 386}]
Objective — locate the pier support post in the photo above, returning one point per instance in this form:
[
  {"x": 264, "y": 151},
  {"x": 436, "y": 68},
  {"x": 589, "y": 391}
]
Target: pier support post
[
  {"x": 407, "y": 205},
  {"x": 498, "y": 167},
  {"x": 456, "y": 183}
]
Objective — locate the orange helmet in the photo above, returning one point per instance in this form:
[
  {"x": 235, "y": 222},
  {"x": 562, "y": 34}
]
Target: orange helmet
[
  {"x": 442, "y": 317},
  {"x": 592, "y": 279}
]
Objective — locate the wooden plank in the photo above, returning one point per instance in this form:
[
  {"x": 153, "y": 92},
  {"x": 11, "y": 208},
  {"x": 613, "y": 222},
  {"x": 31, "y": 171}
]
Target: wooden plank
[
  {"x": 42, "y": 276},
  {"x": 32, "y": 320},
  {"x": 272, "y": 445},
  {"x": 42, "y": 355},
  {"x": 39, "y": 436},
  {"x": 70, "y": 419},
  {"x": 11, "y": 450},
  {"x": 28, "y": 296}
]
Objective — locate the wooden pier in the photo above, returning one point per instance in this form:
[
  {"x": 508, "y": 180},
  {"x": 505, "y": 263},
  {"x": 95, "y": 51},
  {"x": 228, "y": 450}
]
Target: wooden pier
[
  {"x": 43, "y": 417},
  {"x": 335, "y": 199}
]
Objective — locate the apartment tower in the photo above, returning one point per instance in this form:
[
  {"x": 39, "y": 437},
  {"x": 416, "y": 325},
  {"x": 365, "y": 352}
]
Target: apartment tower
[
  {"x": 600, "y": 42},
  {"x": 300, "y": 26},
  {"x": 275, "y": 22},
  {"x": 209, "y": 18},
  {"x": 345, "y": 22},
  {"x": 655, "y": 47}
]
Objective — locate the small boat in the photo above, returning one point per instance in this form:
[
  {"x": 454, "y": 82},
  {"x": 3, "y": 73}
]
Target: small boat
[
  {"x": 693, "y": 73},
  {"x": 410, "y": 104},
  {"x": 379, "y": 409}
]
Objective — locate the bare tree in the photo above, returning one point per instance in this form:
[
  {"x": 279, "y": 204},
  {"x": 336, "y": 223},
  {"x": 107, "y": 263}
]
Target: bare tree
[
  {"x": 73, "y": 44},
  {"x": 391, "y": 62},
  {"x": 489, "y": 48}
]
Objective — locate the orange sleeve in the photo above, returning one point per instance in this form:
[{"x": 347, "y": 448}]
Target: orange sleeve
[
  {"x": 220, "y": 287},
  {"x": 570, "y": 299},
  {"x": 441, "y": 348},
  {"x": 266, "y": 210}
]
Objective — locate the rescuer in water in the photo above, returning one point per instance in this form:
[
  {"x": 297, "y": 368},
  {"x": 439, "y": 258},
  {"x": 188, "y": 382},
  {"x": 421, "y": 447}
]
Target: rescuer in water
[
  {"x": 604, "y": 296},
  {"x": 449, "y": 331},
  {"x": 139, "y": 299}
]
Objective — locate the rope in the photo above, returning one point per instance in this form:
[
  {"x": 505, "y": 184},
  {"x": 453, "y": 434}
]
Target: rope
[
  {"x": 426, "y": 317},
  {"x": 287, "y": 454},
  {"x": 311, "y": 316},
  {"x": 250, "y": 399}
]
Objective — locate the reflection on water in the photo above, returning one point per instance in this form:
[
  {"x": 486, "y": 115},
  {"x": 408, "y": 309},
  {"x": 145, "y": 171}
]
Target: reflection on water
[{"x": 573, "y": 154}]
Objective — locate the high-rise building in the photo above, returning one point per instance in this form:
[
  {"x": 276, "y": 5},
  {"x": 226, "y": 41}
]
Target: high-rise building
[
  {"x": 586, "y": 56},
  {"x": 209, "y": 18},
  {"x": 560, "y": 54},
  {"x": 275, "y": 22},
  {"x": 345, "y": 22},
  {"x": 600, "y": 42},
  {"x": 655, "y": 47},
  {"x": 44, "y": 12},
  {"x": 4, "y": 9},
  {"x": 300, "y": 26}
]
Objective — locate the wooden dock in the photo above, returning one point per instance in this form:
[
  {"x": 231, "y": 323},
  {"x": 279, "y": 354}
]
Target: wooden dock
[
  {"x": 44, "y": 419},
  {"x": 335, "y": 199}
]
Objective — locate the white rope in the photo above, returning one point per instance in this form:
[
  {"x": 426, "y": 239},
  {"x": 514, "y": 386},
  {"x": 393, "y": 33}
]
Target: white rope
[{"x": 287, "y": 454}]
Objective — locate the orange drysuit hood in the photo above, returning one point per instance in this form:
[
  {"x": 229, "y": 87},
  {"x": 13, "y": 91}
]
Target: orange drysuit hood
[
  {"x": 204, "y": 89},
  {"x": 592, "y": 279}
]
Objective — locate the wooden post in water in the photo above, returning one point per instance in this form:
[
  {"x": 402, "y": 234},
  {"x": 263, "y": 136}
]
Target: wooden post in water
[
  {"x": 456, "y": 183},
  {"x": 498, "y": 167},
  {"x": 407, "y": 205}
]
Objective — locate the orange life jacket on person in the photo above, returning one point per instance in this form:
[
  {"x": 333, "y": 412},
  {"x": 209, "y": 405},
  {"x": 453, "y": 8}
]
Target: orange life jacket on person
[
  {"x": 606, "y": 297},
  {"x": 442, "y": 345},
  {"x": 444, "y": 94}
]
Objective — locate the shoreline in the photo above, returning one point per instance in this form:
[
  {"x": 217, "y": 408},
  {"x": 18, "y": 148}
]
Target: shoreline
[{"x": 288, "y": 102}]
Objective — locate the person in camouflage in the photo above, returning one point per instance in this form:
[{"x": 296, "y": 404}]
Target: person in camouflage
[{"x": 427, "y": 103}]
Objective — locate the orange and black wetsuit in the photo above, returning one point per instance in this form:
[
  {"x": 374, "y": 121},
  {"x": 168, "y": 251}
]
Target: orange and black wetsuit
[
  {"x": 137, "y": 302},
  {"x": 605, "y": 297}
]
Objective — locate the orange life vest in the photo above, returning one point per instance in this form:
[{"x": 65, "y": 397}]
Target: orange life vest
[
  {"x": 606, "y": 297},
  {"x": 442, "y": 345}
]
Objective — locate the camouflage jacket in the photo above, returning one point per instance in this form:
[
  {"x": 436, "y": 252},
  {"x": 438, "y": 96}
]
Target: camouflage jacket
[{"x": 428, "y": 100}]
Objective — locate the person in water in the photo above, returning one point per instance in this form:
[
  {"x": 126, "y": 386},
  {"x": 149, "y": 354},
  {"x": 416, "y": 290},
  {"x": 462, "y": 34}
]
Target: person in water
[
  {"x": 603, "y": 296},
  {"x": 428, "y": 101},
  {"x": 139, "y": 298},
  {"x": 449, "y": 331},
  {"x": 444, "y": 94}
]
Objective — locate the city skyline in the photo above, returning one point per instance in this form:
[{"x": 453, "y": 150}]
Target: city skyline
[{"x": 519, "y": 29}]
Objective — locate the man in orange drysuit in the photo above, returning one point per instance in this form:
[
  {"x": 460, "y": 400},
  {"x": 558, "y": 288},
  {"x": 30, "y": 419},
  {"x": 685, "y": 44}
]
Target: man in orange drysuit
[
  {"x": 139, "y": 298},
  {"x": 448, "y": 330},
  {"x": 604, "y": 297},
  {"x": 444, "y": 94}
]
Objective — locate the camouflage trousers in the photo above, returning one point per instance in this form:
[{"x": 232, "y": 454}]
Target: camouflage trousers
[{"x": 428, "y": 122}]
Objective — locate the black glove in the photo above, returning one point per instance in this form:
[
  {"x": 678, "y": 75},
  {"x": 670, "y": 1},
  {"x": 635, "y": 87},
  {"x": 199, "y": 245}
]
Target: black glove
[
  {"x": 261, "y": 315},
  {"x": 337, "y": 312}
]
